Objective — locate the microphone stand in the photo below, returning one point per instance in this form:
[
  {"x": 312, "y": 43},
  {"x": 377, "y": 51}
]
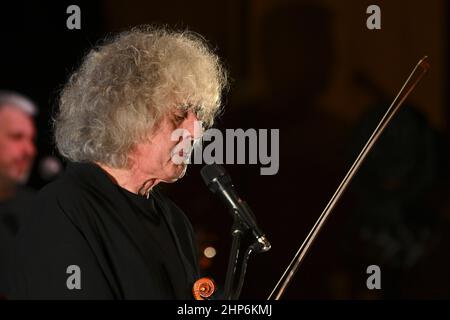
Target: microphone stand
[
  {"x": 238, "y": 229},
  {"x": 219, "y": 182}
]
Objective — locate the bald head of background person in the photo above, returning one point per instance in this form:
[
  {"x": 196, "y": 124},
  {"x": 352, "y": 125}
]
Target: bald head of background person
[
  {"x": 17, "y": 148},
  {"x": 17, "y": 153}
]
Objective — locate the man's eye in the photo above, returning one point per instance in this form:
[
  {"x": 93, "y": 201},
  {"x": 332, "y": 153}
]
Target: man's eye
[
  {"x": 16, "y": 136},
  {"x": 180, "y": 116}
]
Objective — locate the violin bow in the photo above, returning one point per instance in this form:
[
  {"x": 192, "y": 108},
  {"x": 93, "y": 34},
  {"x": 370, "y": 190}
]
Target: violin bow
[{"x": 416, "y": 75}]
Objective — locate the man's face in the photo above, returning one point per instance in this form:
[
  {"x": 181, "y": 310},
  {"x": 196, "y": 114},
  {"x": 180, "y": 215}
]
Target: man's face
[
  {"x": 168, "y": 144},
  {"x": 17, "y": 149}
]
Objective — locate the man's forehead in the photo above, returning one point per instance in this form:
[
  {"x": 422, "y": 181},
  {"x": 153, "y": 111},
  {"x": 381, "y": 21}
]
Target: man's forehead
[
  {"x": 12, "y": 117},
  {"x": 12, "y": 110}
]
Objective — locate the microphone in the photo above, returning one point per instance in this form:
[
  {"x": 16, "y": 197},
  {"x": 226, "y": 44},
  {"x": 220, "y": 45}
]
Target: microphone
[{"x": 219, "y": 182}]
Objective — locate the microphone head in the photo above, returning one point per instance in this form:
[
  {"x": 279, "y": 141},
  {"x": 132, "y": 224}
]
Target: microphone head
[{"x": 211, "y": 172}]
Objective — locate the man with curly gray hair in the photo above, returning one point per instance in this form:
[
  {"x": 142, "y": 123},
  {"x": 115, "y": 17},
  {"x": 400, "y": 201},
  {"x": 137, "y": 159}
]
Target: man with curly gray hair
[{"x": 103, "y": 230}]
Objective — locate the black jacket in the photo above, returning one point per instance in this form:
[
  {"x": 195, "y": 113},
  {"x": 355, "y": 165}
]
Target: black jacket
[
  {"x": 122, "y": 249},
  {"x": 11, "y": 211}
]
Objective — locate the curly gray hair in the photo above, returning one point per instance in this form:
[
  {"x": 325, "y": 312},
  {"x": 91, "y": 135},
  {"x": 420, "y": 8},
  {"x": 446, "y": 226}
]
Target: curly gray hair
[{"x": 124, "y": 87}]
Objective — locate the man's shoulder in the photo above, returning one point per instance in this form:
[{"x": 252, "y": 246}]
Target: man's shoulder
[
  {"x": 46, "y": 216},
  {"x": 64, "y": 195},
  {"x": 59, "y": 188}
]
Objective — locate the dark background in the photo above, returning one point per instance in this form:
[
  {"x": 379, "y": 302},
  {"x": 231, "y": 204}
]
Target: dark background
[{"x": 313, "y": 70}]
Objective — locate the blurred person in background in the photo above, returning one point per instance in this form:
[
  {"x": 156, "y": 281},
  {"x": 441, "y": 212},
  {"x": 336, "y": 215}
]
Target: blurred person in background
[{"x": 17, "y": 153}]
